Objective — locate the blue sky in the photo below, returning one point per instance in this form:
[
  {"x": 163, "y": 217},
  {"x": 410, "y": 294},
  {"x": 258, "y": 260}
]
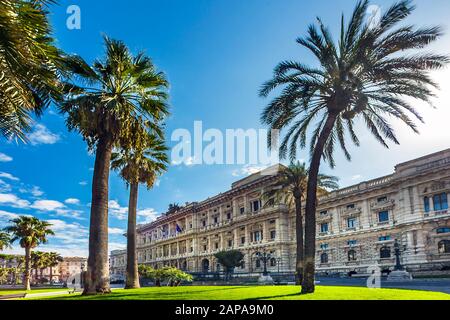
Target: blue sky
[{"x": 216, "y": 54}]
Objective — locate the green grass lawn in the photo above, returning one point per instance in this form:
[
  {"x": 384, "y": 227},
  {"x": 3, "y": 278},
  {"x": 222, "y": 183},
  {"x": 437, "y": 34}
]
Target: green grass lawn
[
  {"x": 17, "y": 291},
  {"x": 260, "y": 292}
]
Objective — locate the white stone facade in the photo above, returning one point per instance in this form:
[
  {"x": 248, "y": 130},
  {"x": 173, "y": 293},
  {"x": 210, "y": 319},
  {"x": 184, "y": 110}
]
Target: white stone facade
[{"x": 356, "y": 226}]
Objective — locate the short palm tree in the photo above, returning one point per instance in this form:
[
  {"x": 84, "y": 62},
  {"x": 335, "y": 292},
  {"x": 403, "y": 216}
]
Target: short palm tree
[
  {"x": 30, "y": 65},
  {"x": 139, "y": 165},
  {"x": 54, "y": 259},
  {"x": 30, "y": 232},
  {"x": 125, "y": 94},
  {"x": 5, "y": 240},
  {"x": 365, "y": 76},
  {"x": 290, "y": 189},
  {"x": 39, "y": 262}
]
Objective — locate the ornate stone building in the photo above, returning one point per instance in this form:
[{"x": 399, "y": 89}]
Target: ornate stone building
[{"x": 356, "y": 226}]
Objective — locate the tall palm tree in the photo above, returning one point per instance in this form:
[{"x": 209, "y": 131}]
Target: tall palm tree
[
  {"x": 290, "y": 189},
  {"x": 30, "y": 65},
  {"x": 139, "y": 165},
  {"x": 30, "y": 232},
  {"x": 367, "y": 75},
  {"x": 5, "y": 240},
  {"x": 125, "y": 93}
]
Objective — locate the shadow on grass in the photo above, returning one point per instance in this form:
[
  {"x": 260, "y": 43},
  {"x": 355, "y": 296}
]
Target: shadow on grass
[
  {"x": 179, "y": 294},
  {"x": 277, "y": 296}
]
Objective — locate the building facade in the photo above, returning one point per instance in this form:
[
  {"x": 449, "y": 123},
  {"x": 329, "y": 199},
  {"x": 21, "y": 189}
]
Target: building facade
[{"x": 356, "y": 226}]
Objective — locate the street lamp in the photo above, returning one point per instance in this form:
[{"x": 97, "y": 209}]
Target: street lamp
[
  {"x": 264, "y": 257},
  {"x": 398, "y": 266}
]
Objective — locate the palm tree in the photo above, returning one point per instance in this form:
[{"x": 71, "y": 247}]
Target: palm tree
[
  {"x": 125, "y": 93},
  {"x": 39, "y": 262},
  {"x": 30, "y": 232},
  {"x": 30, "y": 65},
  {"x": 365, "y": 76},
  {"x": 5, "y": 240},
  {"x": 140, "y": 165},
  {"x": 290, "y": 189},
  {"x": 54, "y": 259}
]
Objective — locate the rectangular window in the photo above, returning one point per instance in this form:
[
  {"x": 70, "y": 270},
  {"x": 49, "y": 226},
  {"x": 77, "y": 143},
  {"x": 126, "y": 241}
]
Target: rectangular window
[
  {"x": 426, "y": 204},
  {"x": 352, "y": 242},
  {"x": 383, "y": 216},
  {"x": 384, "y": 238},
  {"x": 440, "y": 202},
  {"x": 351, "y": 206},
  {"x": 216, "y": 219},
  {"x": 257, "y": 236},
  {"x": 204, "y": 223},
  {"x": 351, "y": 223},
  {"x": 255, "y": 205},
  {"x": 324, "y": 246},
  {"x": 230, "y": 243},
  {"x": 323, "y": 213},
  {"x": 242, "y": 240},
  {"x": 216, "y": 245},
  {"x": 273, "y": 234},
  {"x": 228, "y": 216},
  {"x": 204, "y": 247},
  {"x": 242, "y": 210},
  {"x": 324, "y": 227},
  {"x": 382, "y": 199}
]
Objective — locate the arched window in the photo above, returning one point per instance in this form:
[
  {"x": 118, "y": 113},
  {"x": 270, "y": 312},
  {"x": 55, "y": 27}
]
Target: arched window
[
  {"x": 258, "y": 263},
  {"x": 351, "y": 255},
  {"x": 444, "y": 246},
  {"x": 273, "y": 262},
  {"x": 385, "y": 252},
  {"x": 324, "y": 258}
]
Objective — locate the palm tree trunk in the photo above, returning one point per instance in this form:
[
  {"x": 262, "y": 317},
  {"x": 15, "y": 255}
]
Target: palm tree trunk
[
  {"x": 299, "y": 235},
  {"x": 311, "y": 204},
  {"x": 26, "y": 278},
  {"x": 132, "y": 281},
  {"x": 51, "y": 274},
  {"x": 97, "y": 279}
]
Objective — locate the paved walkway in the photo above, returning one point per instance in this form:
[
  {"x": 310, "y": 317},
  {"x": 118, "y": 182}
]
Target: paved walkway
[{"x": 438, "y": 285}]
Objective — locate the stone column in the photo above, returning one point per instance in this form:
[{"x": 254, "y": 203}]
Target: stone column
[{"x": 246, "y": 204}]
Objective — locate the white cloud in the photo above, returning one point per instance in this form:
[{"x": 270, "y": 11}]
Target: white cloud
[
  {"x": 189, "y": 162},
  {"x": 6, "y": 216},
  {"x": 72, "y": 201},
  {"x": 69, "y": 233},
  {"x": 5, "y": 158},
  {"x": 148, "y": 215},
  {"x": 247, "y": 170},
  {"x": 47, "y": 205},
  {"x": 83, "y": 183},
  {"x": 36, "y": 191},
  {"x": 8, "y": 176},
  {"x": 117, "y": 210},
  {"x": 357, "y": 177},
  {"x": 116, "y": 246},
  {"x": 41, "y": 135},
  {"x": 12, "y": 200},
  {"x": 5, "y": 187},
  {"x": 115, "y": 231}
]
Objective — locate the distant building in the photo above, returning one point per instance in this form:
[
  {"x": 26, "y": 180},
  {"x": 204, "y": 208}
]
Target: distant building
[
  {"x": 60, "y": 273},
  {"x": 117, "y": 265},
  {"x": 356, "y": 226}
]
